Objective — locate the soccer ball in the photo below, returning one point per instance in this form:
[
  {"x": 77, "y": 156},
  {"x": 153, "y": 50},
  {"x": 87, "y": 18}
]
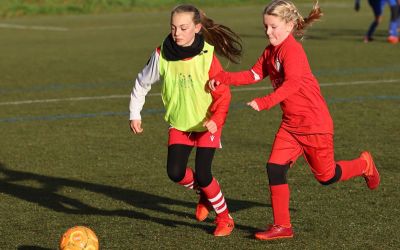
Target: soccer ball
[{"x": 79, "y": 238}]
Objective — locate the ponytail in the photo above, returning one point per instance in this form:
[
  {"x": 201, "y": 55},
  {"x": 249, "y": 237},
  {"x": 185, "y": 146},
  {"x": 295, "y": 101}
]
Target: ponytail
[
  {"x": 289, "y": 13},
  {"x": 225, "y": 41},
  {"x": 303, "y": 23}
]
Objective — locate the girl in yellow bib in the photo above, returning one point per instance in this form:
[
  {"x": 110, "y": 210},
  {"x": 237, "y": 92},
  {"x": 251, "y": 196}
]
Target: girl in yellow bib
[{"x": 184, "y": 63}]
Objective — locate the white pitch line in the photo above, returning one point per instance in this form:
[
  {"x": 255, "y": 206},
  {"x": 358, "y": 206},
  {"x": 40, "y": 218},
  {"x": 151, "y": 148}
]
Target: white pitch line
[
  {"x": 89, "y": 98},
  {"x": 31, "y": 27},
  {"x": 82, "y": 98},
  {"x": 54, "y": 28},
  {"x": 325, "y": 84}
]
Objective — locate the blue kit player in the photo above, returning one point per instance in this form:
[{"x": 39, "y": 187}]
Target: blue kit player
[{"x": 377, "y": 7}]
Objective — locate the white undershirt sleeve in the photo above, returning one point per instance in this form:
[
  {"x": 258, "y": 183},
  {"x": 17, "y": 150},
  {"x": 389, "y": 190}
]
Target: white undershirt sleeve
[{"x": 148, "y": 76}]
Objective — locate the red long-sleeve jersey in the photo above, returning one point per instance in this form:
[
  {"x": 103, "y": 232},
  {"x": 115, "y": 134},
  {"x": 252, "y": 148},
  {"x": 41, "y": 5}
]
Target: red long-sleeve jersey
[
  {"x": 295, "y": 87},
  {"x": 221, "y": 96}
]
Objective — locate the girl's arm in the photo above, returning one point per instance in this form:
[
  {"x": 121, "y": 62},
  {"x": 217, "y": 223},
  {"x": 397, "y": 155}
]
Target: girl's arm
[
  {"x": 221, "y": 100},
  {"x": 255, "y": 74},
  {"x": 149, "y": 75},
  {"x": 293, "y": 61},
  {"x": 220, "y": 106}
]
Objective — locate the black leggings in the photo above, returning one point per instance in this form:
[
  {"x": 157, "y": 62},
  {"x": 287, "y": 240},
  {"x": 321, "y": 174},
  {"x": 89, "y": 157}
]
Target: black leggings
[{"x": 178, "y": 156}]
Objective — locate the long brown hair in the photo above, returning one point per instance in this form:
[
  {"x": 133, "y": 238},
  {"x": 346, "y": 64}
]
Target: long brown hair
[
  {"x": 225, "y": 41},
  {"x": 289, "y": 13}
]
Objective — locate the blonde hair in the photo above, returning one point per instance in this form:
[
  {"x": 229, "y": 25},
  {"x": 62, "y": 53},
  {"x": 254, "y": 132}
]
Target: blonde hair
[
  {"x": 288, "y": 12},
  {"x": 225, "y": 41}
]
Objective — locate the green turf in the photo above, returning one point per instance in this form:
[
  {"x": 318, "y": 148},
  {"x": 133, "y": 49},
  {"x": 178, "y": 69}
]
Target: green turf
[
  {"x": 12, "y": 8},
  {"x": 72, "y": 162}
]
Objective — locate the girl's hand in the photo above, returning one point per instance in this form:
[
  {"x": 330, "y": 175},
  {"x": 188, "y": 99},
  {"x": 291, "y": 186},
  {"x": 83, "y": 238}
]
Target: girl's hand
[
  {"x": 136, "y": 126},
  {"x": 254, "y": 105},
  {"x": 211, "y": 126},
  {"x": 213, "y": 84}
]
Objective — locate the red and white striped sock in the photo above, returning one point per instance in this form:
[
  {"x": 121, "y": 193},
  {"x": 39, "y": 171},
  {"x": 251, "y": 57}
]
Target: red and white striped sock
[
  {"x": 216, "y": 198},
  {"x": 188, "y": 181}
]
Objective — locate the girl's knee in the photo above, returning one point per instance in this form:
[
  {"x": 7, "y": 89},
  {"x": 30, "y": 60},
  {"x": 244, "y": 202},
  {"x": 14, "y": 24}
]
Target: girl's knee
[
  {"x": 330, "y": 178},
  {"x": 176, "y": 174},
  {"x": 277, "y": 173},
  {"x": 203, "y": 178}
]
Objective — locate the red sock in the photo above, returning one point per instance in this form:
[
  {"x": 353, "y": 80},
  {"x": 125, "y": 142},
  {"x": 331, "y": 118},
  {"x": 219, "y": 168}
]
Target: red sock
[
  {"x": 352, "y": 168},
  {"x": 188, "y": 180},
  {"x": 280, "y": 204},
  {"x": 216, "y": 198}
]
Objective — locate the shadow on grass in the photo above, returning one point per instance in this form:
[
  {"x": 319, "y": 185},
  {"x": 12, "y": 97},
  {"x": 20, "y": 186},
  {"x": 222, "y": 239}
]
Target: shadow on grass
[{"x": 46, "y": 195}]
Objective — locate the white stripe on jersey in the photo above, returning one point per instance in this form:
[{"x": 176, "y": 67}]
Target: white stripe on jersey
[{"x": 255, "y": 75}]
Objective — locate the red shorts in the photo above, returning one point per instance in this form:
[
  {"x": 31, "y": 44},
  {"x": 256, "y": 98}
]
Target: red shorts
[
  {"x": 316, "y": 148},
  {"x": 196, "y": 139}
]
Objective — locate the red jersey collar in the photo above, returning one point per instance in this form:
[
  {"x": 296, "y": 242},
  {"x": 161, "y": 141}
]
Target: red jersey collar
[{"x": 288, "y": 39}]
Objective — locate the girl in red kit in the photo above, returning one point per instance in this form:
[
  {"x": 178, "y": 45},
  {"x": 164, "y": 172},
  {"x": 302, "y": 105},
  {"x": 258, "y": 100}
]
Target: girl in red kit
[
  {"x": 185, "y": 62},
  {"x": 306, "y": 128}
]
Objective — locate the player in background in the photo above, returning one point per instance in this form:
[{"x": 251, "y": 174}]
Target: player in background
[
  {"x": 377, "y": 7},
  {"x": 307, "y": 127},
  {"x": 398, "y": 17},
  {"x": 185, "y": 62}
]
